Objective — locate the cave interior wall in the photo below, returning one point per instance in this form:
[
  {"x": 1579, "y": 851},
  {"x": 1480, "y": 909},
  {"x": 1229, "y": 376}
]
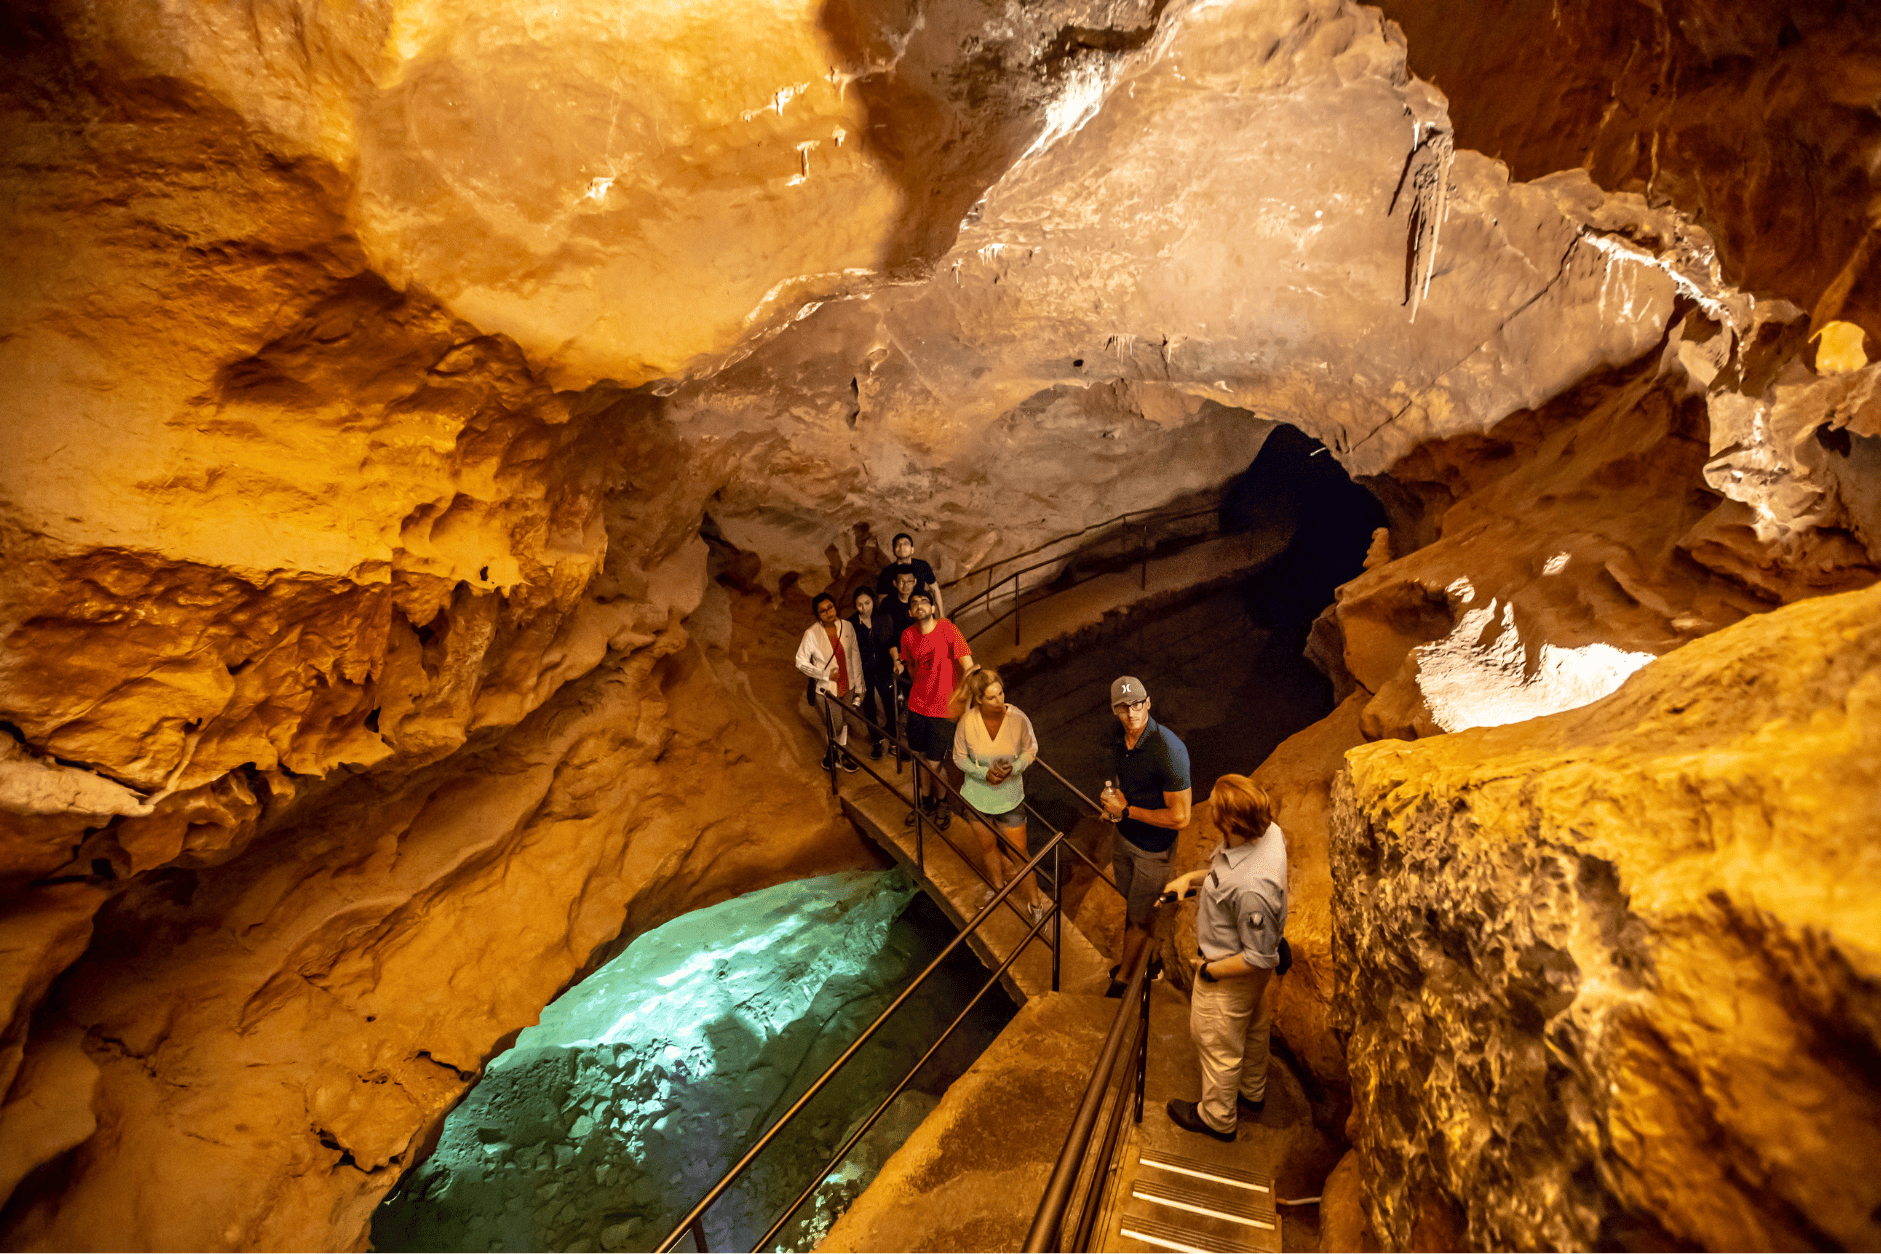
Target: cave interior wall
[{"x": 374, "y": 371}]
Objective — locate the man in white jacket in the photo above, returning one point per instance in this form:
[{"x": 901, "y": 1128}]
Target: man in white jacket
[{"x": 832, "y": 660}]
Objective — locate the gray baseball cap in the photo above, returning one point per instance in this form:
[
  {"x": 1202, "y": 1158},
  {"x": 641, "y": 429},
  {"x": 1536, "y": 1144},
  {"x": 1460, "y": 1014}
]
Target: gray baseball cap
[{"x": 1128, "y": 691}]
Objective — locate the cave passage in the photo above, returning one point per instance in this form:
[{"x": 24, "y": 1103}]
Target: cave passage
[
  {"x": 1226, "y": 671},
  {"x": 645, "y": 1082}
]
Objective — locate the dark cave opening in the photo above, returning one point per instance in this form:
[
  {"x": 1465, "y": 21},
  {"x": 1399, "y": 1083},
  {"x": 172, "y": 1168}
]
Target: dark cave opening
[{"x": 1226, "y": 670}]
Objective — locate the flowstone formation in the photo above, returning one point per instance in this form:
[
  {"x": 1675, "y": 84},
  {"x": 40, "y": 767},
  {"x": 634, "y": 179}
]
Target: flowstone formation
[
  {"x": 380, "y": 374},
  {"x": 1757, "y": 118},
  {"x": 1609, "y": 976}
]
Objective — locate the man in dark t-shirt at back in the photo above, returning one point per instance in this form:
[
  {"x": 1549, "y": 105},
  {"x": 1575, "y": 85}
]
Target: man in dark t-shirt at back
[
  {"x": 1149, "y": 796},
  {"x": 907, "y": 563},
  {"x": 894, "y": 615},
  {"x": 895, "y": 604}
]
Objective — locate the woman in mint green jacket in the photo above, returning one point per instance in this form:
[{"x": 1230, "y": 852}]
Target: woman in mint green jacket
[{"x": 993, "y": 744}]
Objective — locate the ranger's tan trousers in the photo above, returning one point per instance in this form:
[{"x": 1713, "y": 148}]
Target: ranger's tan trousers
[{"x": 1230, "y": 1021}]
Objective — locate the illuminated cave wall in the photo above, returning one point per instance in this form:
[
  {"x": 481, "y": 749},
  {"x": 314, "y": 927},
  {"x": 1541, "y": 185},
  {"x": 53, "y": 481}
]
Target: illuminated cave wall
[{"x": 373, "y": 369}]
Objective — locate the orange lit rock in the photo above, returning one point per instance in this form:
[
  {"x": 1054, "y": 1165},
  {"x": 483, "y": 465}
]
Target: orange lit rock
[
  {"x": 1554, "y": 570},
  {"x": 372, "y": 683},
  {"x": 1590, "y": 960},
  {"x": 322, "y": 999}
]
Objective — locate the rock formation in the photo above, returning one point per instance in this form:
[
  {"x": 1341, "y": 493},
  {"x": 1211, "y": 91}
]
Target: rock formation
[
  {"x": 1608, "y": 974},
  {"x": 426, "y": 420}
]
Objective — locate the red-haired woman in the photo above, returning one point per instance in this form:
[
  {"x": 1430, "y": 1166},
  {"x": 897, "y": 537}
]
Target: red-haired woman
[{"x": 1240, "y": 920}]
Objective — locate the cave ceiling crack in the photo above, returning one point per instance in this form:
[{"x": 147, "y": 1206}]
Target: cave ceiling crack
[{"x": 1561, "y": 268}]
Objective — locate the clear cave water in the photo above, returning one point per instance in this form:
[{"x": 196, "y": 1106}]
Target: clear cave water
[{"x": 642, "y": 1084}]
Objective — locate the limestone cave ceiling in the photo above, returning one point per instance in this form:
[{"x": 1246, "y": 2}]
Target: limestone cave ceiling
[{"x": 372, "y": 367}]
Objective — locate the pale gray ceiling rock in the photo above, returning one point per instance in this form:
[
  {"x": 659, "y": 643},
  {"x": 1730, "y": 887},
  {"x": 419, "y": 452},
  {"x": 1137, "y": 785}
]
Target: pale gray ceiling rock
[{"x": 1259, "y": 210}]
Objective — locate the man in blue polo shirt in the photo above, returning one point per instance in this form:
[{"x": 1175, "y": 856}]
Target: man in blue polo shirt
[{"x": 1149, "y": 798}]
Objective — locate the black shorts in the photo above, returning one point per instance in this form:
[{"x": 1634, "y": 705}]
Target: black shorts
[{"x": 932, "y": 738}]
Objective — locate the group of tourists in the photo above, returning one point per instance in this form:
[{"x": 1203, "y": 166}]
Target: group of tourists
[{"x": 910, "y": 673}]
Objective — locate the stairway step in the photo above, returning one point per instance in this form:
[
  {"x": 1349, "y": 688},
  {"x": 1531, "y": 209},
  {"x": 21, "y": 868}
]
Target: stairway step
[
  {"x": 1211, "y": 1173},
  {"x": 1234, "y": 1205},
  {"x": 1160, "y": 1234}
]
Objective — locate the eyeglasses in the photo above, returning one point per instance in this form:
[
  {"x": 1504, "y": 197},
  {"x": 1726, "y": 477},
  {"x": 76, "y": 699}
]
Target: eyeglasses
[{"x": 1132, "y": 706}]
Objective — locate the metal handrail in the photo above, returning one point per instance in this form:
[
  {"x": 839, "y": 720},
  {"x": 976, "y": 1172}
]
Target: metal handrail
[
  {"x": 1048, "y": 1221},
  {"x": 693, "y": 1222},
  {"x": 826, "y": 701},
  {"x": 964, "y": 856},
  {"x": 816, "y": 1181},
  {"x": 1017, "y": 593},
  {"x": 697, "y": 1212},
  {"x": 1072, "y": 535}
]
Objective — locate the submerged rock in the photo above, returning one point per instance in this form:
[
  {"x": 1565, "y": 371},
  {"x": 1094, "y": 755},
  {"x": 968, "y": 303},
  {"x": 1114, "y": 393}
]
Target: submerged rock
[{"x": 642, "y": 1084}]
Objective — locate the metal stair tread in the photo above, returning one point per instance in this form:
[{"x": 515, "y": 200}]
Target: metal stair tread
[
  {"x": 1199, "y": 1169},
  {"x": 1160, "y": 1234},
  {"x": 1224, "y": 1202}
]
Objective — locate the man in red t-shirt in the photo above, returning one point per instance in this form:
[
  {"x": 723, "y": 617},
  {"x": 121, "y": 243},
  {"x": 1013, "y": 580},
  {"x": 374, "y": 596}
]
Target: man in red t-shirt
[{"x": 930, "y": 648}]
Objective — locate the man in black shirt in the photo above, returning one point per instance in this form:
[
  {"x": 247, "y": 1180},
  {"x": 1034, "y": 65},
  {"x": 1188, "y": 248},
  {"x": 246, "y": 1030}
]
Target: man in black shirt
[
  {"x": 894, "y": 604},
  {"x": 1149, "y": 797},
  {"x": 907, "y": 563},
  {"x": 894, "y": 615}
]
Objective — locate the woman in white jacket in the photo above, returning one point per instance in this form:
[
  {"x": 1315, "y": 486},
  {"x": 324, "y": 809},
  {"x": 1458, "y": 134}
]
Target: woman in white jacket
[{"x": 828, "y": 655}]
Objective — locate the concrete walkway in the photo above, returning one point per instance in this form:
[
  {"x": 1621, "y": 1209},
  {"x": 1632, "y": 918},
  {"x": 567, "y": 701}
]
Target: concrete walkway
[{"x": 1045, "y": 614}]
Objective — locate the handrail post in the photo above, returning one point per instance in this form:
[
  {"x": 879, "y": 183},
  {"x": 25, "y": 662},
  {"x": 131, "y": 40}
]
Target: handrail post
[
  {"x": 1015, "y": 609},
  {"x": 698, "y": 1234},
  {"x": 920, "y": 859},
  {"x": 829, "y": 741},
  {"x": 1142, "y": 1049},
  {"x": 1058, "y": 912},
  {"x": 1049, "y": 1220}
]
